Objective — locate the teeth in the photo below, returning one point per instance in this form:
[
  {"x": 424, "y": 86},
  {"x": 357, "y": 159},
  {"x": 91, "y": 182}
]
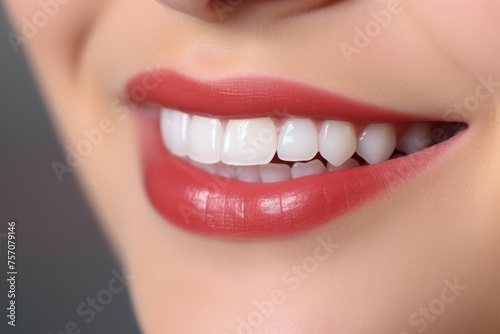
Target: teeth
[
  {"x": 249, "y": 142},
  {"x": 166, "y": 127},
  {"x": 226, "y": 170},
  {"x": 178, "y": 132},
  {"x": 417, "y": 138},
  {"x": 275, "y": 173},
  {"x": 301, "y": 169},
  {"x": 246, "y": 147},
  {"x": 248, "y": 174},
  {"x": 205, "y": 140},
  {"x": 298, "y": 140},
  {"x": 337, "y": 142},
  {"x": 376, "y": 143},
  {"x": 209, "y": 168},
  {"x": 351, "y": 163}
]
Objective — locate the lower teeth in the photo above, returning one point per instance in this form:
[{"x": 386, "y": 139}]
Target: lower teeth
[{"x": 279, "y": 171}]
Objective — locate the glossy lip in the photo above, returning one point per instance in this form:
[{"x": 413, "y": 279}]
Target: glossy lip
[
  {"x": 204, "y": 203},
  {"x": 253, "y": 96}
]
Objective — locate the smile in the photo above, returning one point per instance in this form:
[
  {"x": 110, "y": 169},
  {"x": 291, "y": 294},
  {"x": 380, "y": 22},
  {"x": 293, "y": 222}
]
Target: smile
[{"x": 262, "y": 157}]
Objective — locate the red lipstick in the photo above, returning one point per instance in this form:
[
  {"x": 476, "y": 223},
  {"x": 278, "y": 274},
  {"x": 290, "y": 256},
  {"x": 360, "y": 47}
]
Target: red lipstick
[{"x": 200, "y": 202}]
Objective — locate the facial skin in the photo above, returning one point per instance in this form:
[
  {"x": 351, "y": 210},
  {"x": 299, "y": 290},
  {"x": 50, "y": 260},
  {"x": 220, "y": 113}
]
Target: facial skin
[{"x": 392, "y": 255}]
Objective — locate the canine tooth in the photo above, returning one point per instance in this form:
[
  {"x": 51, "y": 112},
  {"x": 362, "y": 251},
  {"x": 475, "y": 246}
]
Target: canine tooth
[
  {"x": 179, "y": 133},
  {"x": 351, "y": 163},
  {"x": 249, "y": 142},
  {"x": 337, "y": 141},
  {"x": 298, "y": 140},
  {"x": 417, "y": 138},
  {"x": 205, "y": 140},
  {"x": 376, "y": 143},
  {"x": 301, "y": 169},
  {"x": 275, "y": 173}
]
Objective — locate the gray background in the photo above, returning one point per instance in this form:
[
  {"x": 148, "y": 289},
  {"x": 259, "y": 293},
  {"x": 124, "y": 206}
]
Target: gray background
[{"x": 62, "y": 258}]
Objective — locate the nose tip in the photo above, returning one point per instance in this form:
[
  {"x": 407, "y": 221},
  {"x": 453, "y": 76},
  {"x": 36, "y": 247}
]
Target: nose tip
[{"x": 195, "y": 8}]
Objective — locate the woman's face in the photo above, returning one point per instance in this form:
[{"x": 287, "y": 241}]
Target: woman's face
[{"x": 419, "y": 255}]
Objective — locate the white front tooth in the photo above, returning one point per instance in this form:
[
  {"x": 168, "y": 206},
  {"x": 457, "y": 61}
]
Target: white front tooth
[
  {"x": 301, "y": 169},
  {"x": 417, "y": 138},
  {"x": 248, "y": 174},
  {"x": 337, "y": 141},
  {"x": 275, "y": 173},
  {"x": 351, "y": 163},
  {"x": 205, "y": 140},
  {"x": 298, "y": 140},
  {"x": 166, "y": 127},
  {"x": 377, "y": 143},
  {"x": 179, "y": 133},
  {"x": 249, "y": 142}
]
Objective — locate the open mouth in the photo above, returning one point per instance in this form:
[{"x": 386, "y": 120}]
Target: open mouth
[{"x": 257, "y": 156}]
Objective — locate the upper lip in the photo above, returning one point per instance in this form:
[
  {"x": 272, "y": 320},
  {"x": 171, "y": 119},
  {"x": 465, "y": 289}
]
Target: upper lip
[
  {"x": 256, "y": 95},
  {"x": 194, "y": 200}
]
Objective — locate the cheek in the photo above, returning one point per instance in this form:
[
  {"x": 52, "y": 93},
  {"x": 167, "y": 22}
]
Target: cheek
[
  {"x": 55, "y": 26},
  {"x": 17, "y": 8},
  {"x": 20, "y": 11},
  {"x": 468, "y": 31}
]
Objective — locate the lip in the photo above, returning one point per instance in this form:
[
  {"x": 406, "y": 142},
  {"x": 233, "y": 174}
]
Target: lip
[
  {"x": 252, "y": 96},
  {"x": 199, "y": 202}
]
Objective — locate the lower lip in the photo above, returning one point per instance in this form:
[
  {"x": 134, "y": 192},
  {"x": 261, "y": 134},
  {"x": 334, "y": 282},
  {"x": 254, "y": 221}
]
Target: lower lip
[{"x": 202, "y": 203}]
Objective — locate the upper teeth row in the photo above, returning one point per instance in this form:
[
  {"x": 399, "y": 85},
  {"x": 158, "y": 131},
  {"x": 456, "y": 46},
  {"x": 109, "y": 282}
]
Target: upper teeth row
[{"x": 248, "y": 142}]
